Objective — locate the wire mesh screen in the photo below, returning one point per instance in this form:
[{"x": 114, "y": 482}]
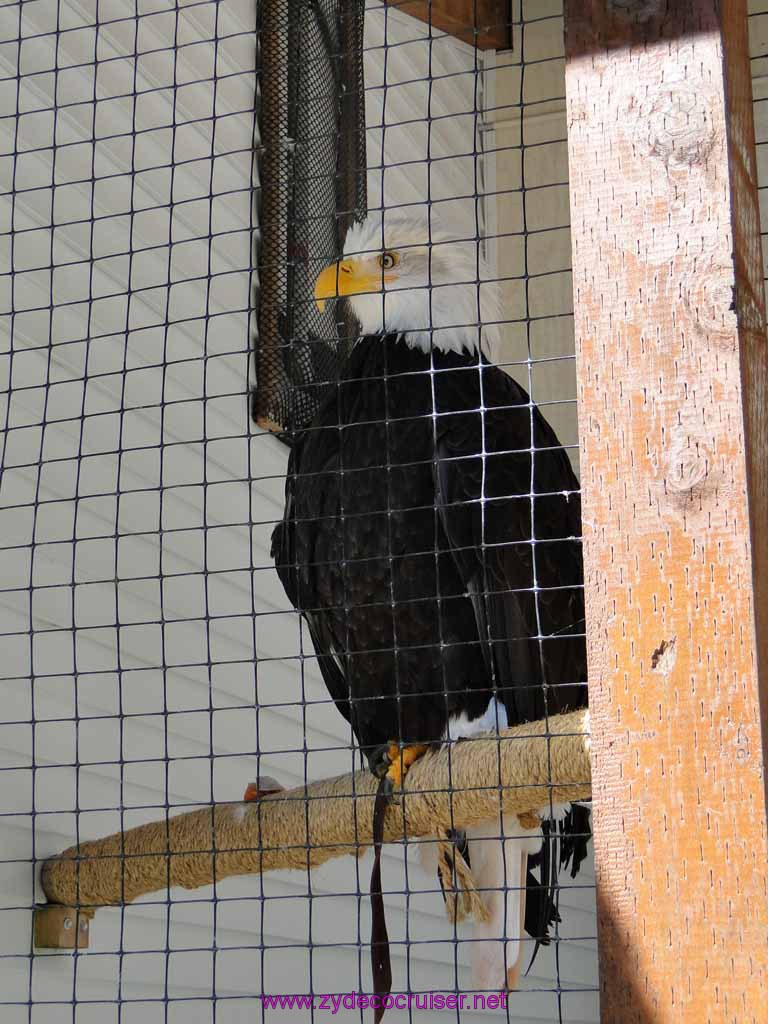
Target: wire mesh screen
[{"x": 152, "y": 661}]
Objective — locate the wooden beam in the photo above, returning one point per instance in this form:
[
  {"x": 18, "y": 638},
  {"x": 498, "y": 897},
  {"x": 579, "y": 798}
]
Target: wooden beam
[
  {"x": 484, "y": 23},
  {"x": 673, "y": 372}
]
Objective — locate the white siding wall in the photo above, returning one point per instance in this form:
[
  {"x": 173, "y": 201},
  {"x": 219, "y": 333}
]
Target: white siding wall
[
  {"x": 529, "y": 133},
  {"x": 131, "y": 478}
]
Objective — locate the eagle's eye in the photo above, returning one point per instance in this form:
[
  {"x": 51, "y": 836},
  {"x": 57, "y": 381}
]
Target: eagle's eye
[{"x": 388, "y": 260}]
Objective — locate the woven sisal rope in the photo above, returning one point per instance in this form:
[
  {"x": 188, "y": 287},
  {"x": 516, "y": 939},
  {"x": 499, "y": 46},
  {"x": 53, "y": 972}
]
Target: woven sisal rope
[{"x": 519, "y": 770}]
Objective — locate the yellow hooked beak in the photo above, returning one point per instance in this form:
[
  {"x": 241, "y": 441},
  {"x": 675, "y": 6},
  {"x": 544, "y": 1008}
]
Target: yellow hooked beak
[{"x": 348, "y": 277}]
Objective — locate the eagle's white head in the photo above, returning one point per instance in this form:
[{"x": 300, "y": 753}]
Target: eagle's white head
[{"x": 402, "y": 274}]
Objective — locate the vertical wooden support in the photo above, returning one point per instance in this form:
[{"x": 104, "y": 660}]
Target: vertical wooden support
[{"x": 673, "y": 410}]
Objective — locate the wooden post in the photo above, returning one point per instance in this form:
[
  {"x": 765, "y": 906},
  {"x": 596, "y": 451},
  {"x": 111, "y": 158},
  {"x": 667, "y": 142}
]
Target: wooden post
[{"x": 673, "y": 411}]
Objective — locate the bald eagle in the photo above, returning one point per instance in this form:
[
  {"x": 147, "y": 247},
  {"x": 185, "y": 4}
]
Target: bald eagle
[{"x": 431, "y": 541}]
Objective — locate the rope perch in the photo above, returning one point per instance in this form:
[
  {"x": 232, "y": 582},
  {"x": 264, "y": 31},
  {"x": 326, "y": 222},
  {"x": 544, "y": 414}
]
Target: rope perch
[{"x": 519, "y": 770}]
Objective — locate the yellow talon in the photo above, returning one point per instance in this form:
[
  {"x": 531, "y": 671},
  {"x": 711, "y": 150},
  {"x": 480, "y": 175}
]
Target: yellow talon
[{"x": 401, "y": 760}]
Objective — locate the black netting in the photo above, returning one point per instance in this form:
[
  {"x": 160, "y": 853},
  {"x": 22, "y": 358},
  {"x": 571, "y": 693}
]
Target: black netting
[
  {"x": 151, "y": 661},
  {"x": 312, "y": 186}
]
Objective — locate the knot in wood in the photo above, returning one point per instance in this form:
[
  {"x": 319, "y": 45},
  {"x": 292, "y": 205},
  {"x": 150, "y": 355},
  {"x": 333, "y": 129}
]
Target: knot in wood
[
  {"x": 686, "y": 468},
  {"x": 678, "y": 128},
  {"x": 709, "y": 295}
]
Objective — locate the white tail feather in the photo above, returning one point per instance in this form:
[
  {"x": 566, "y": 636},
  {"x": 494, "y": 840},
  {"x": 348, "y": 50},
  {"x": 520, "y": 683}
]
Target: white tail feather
[{"x": 499, "y": 868}]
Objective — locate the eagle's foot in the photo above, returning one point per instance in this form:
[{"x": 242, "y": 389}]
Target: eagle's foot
[{"x": 391, "y": 762}]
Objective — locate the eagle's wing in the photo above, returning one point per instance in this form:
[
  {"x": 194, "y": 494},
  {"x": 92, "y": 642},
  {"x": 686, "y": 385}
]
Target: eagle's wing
[
  {"x": 513, "y": 525},
  {"x": 514, "y": 532},
  {"x": 293, "y": 552}
]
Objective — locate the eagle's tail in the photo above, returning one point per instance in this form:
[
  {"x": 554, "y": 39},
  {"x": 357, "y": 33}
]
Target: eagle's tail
[{"x": 500, "y": 869}]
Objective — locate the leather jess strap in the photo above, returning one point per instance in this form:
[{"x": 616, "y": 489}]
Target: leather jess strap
[{"x": 381, "y": 964}]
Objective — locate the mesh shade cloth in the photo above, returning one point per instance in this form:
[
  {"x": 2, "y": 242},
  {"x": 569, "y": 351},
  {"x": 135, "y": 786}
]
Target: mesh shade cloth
[{"x": 312, "y": 186}]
